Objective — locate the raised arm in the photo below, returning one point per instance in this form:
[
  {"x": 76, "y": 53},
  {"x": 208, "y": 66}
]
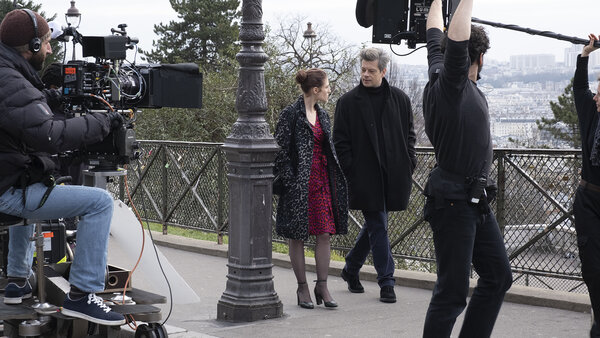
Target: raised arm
[
  {"x": 580, "y": 81},
  {"x": 435, "y": 18},
  {"x": 584, "y": 98},
  {"x": 460, "y": 27}
]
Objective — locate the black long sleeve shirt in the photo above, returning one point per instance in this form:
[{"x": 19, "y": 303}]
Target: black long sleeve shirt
[
  {"x": 456, "y": 112},
  {"x": 588, "y": 119}
]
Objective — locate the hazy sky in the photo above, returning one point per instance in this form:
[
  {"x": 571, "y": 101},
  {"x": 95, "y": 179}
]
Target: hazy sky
[{"x": 571, "y": 18}]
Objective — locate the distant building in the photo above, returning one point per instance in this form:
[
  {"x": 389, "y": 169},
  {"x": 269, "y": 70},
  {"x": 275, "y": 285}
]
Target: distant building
[
  {"x": 532, "y": 61},
  {"x": 571, "y": 57},
  {"x": 518, "y": 128}
]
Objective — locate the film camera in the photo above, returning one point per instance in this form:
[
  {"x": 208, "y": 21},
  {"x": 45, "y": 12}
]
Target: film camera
[{"x": 112, "y": 84}]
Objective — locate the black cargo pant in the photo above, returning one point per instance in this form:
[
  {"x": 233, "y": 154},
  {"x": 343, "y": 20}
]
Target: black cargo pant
[
  {"x": 586, "y": 209},
  {"x": 465, "y": 233}
]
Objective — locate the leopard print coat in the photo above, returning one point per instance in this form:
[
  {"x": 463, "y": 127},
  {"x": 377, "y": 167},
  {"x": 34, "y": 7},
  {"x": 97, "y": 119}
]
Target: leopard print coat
[{"x": 292, "y": 209}]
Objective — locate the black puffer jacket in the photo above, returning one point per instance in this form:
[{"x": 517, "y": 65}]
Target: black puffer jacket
[
  {"x": 28, "y": 132},
  {"x": 292, "y": 209}
]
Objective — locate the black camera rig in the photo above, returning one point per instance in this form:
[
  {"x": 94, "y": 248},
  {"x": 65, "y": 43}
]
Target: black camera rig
[
  {"x": 112, "y": 84},
  {"x": 397, "y": 20}
]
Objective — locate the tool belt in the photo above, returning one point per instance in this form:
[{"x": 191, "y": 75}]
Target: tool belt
[{"x": 443, "y": 185}]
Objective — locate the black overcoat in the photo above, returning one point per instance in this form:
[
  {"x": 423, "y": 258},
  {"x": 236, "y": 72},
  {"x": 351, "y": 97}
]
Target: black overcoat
[
  {"x": 355, "y": 138},
  {"x": 292, "y": 209}
]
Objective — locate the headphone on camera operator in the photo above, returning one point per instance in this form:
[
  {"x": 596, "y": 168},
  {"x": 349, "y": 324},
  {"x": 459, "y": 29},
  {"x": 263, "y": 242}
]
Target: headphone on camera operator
[{"x": 36, "y": 43}]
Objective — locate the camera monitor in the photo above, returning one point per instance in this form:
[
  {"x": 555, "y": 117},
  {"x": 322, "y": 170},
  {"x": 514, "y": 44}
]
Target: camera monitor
[{"x": 105, "y": 47}]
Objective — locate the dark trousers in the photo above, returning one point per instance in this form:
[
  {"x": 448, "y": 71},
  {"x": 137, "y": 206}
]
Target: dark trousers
[
  {"x": 586, "y": 209},
  {"x": 464, "y": 233},
  {"x": 373, "y": 238}
]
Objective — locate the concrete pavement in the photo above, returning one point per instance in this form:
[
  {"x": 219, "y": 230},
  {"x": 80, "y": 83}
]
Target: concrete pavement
[{"x": 527, "y": 312}]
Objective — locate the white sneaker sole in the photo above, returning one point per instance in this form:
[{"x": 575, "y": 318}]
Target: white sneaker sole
[
  {"x": 76, "y": 314},
  {"x": 16, "y": 300}
]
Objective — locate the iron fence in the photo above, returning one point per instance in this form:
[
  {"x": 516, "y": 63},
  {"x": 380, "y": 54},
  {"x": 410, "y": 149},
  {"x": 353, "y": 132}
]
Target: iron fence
[{"x": 185, "y": 185}]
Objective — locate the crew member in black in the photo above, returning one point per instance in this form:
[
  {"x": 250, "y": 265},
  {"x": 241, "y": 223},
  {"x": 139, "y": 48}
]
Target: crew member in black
[
  {"x": 587, "y": 198},
  {"x": 464, "y": 228}
]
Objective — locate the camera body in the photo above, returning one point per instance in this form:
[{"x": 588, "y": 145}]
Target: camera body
[
  {"x": 112, "y": 84},
  {"x": 397, "y": 20}
]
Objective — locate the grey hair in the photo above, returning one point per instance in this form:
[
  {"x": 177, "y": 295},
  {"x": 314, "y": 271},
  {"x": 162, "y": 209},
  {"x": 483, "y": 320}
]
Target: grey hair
[{"x": 375, "y": 54}]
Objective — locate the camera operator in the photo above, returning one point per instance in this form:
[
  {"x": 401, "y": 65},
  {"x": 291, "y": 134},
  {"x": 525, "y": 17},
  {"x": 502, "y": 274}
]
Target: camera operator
[
  {"x": 458, "y": 190},
  {"x": 69, "y": 164},
  {"x": 28, "y": 134},
  {"x": 586, "y": 206}
]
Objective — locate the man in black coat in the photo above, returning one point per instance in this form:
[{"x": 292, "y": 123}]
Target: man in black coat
[
  {"x": 28, "y": 135},
  {"x": 586, "y": 206},
  {"x": 375, "y": 141}
]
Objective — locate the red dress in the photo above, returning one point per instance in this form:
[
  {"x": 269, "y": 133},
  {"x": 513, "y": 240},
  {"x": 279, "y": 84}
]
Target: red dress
[{"x": 320, "y": 213}]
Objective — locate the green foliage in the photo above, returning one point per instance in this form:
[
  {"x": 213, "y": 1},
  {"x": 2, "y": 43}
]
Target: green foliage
[
  {"x": 212, "y": 123},
  {"x": 186, "y": 232},
  {"x": 213, "y": 237},
  {"x": 280, "y": 83},
  {"x": 206, "y": 34},
  {"x": 564, "y": 125}
]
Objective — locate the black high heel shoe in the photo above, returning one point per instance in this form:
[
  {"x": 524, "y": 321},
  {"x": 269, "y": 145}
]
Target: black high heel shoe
[
  {"x": 304, "y": 305},
  {"x": 319, "y": 297}
]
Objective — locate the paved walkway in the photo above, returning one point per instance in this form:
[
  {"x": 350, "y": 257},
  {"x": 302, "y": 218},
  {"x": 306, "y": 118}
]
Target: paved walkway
[{"x": 203, "y": 266}]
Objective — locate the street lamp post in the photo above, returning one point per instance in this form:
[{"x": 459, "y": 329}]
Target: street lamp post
[
  {"x": 310, "y": 35},
  {"x": 73, "y": 18},
  {"x": 250, "y": 151}
]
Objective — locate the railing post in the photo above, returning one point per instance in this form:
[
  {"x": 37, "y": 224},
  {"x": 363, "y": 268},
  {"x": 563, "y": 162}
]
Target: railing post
[
  {"x": 165, "y": 189},
  {"x": 122, "y": 188},
  {"x": 220, "y": 196},
  {"x": 500, "y": 198}
]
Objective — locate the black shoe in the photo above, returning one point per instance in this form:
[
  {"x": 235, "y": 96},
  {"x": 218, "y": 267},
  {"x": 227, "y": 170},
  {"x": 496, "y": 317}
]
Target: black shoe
[
  {"x": 319, "y": 297},
  {"x": 387, "y": 294},
  {"x": 354, "y": 285},
  {"x": 304, "y": 305},
  {"x": 91, "y": 308},
  {"x": 14, "y": 294}
]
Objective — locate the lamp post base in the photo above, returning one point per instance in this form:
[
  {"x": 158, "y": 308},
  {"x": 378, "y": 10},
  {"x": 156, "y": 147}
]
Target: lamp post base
[{"x": 248, "y": 313}]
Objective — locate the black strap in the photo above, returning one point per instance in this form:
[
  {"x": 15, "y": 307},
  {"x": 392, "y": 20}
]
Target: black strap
[
  {"x": 50, "y": 183},
  {"x": 47, "y": 181}
]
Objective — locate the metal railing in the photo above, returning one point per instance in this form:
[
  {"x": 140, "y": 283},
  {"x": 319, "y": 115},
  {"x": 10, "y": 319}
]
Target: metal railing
[{"x": 185, "y": 185}]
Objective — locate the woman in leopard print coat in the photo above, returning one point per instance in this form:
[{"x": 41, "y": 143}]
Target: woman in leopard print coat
[{"x": 315, "y": 197}]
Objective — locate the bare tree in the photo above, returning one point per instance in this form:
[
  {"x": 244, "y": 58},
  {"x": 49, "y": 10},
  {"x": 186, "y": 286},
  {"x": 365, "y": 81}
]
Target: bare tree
[
  {"x": 325, "y": 51},
  {"x": 411, "y": 86}
]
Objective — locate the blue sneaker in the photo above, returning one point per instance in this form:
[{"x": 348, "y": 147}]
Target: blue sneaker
[
  {"x": 93, "y": 309},
  {"x": 14, "y": 294}
]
